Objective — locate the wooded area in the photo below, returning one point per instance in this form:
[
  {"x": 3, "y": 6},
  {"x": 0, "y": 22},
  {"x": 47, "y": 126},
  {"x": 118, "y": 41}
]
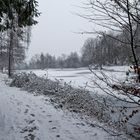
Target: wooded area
[{"x": 16, "y": 17}]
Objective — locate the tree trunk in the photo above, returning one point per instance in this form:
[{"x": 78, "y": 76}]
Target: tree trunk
[
  {"x": 10, "y": 54},
  {"x": 132, "y": 42}
]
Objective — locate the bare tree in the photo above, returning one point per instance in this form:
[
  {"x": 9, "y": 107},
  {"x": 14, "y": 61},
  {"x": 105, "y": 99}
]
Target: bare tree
[
  {"x": 120, "y": 100},
  {"x": 123, "y": 18},
  {"x": 118, "y": 16},
  {"x": 88, "y": 52}
]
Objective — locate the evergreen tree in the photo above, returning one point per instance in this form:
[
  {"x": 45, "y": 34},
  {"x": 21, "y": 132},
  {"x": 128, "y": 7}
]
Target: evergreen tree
[{"x": 16, "y": 15}]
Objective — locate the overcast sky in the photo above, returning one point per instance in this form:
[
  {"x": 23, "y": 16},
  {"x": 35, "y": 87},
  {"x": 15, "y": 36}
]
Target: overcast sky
[{"x": 54, "y": 33}]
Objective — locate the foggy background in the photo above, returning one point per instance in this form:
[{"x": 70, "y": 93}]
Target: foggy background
[{"x": 54, "y": 33}]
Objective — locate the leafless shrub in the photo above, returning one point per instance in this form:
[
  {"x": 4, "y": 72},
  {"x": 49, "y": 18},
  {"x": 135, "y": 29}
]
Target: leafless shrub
[{"x": 122, "y": 101}]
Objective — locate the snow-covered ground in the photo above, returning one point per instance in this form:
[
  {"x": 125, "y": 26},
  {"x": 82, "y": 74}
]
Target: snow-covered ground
[
  {"x": 24, "y": 116},
  {"x": 82, "y": 77}
]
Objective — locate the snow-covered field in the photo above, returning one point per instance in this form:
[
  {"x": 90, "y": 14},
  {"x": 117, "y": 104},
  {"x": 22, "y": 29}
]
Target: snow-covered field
[
  {"x": 24, "y": 116},
  {"x": 82, "y": 77}
]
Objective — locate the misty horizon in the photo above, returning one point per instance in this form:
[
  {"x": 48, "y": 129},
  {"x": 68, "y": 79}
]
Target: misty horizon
[{"x": 57, "y": 30}]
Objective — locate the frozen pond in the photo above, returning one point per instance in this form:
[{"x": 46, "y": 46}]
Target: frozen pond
[{"x": 81, "y": 77}]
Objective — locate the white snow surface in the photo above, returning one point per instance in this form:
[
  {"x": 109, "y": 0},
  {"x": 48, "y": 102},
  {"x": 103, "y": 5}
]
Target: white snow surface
[
  {"x": 82, "y": 77},
  {"x": 24, "y": 116}
]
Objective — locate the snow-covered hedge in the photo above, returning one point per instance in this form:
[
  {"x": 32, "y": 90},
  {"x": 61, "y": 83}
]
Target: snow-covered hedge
[
  {"x": 104, "y": 108},
  {"x": 74, "y": 99}
]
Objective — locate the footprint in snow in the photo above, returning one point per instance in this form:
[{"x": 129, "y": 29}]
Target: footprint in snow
[
  {"x": 29, "y": 121},
  {"x": 29, "y": 129},
  {"x": 26, "y": 111},
  {"x": 28, "y": 106},
  {"x": 30, "y": 137},
  {"x": 53, "y": 128},
  {"x": 58, "y": 136},
  {"x": 33, "y": 115}
]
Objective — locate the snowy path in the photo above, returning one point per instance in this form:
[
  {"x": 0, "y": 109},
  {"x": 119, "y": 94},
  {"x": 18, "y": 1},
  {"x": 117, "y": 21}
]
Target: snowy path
[{"x": 27, "y": 117}]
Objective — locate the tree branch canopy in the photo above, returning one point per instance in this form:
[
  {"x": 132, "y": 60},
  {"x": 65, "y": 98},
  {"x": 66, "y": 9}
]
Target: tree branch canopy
[{"x": 25, "y": 10}]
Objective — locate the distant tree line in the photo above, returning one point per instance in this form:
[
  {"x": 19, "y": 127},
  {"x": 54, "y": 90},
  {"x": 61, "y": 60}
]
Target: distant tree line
[
  {"x": 43, "y": 61},
  {"x": 105, "y": 49},
  {"x": 109, "y": 49}
]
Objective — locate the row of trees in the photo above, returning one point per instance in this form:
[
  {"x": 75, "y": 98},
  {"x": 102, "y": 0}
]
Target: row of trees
[
  {"x": 107, "y": 49},
  {"x": 42, "y": 61},
  {"x": 102, "y": 50}
]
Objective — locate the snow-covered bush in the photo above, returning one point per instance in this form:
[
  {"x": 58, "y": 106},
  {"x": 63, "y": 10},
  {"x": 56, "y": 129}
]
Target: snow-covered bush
[
  {"x": 107, "y": 109},
  {"x": 32, "y": 83},
  {"x": 74, "y": 99}
]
